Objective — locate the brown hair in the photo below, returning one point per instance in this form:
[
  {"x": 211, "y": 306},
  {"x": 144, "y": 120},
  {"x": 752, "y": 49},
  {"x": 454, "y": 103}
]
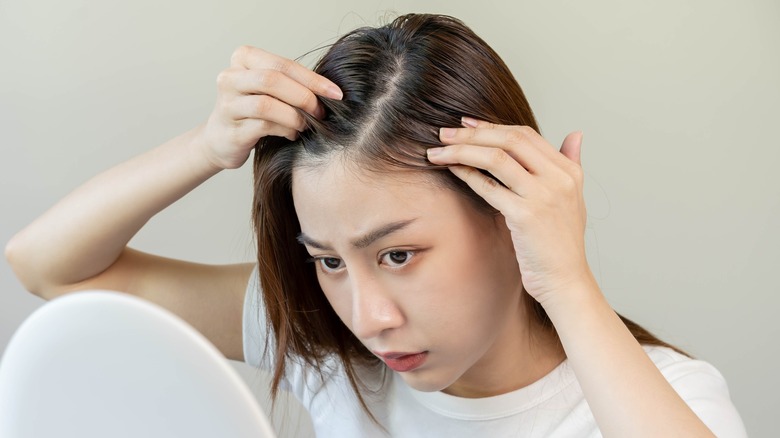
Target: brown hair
[{"x": 401, "y": 83}]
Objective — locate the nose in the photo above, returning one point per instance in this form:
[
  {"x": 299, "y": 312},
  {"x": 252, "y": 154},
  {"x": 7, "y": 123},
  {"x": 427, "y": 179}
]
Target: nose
[{"x": 373, "y": 309}]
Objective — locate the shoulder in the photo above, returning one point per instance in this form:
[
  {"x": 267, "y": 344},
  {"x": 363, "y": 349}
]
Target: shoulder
[
  {"x": 702, "y": 387},
  {"x": 676, "y": 366},
  {"x": 685, "y": 373}
]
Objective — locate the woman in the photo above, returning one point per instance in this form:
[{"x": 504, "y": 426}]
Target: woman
[{"x": 420, "y": 251}]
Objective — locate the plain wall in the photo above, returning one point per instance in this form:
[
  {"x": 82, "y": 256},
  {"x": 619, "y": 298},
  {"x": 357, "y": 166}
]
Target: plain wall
[{"x": 678, "y": 101}]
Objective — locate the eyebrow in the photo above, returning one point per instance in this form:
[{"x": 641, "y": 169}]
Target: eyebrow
[{"x": 363, "y": 241}]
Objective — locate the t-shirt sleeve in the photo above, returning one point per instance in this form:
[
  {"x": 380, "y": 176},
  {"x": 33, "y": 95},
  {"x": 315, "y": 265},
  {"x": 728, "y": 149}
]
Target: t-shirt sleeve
[
  {"x": 254, "y": 330},
  {"x": 703, "y": 388}
]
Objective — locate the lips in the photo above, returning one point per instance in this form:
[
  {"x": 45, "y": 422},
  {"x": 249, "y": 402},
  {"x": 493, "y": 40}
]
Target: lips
[{"x": 403, "y": 362}]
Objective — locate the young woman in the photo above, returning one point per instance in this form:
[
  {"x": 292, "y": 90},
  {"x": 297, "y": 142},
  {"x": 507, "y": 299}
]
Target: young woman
[{"x": 420, "y": 251}]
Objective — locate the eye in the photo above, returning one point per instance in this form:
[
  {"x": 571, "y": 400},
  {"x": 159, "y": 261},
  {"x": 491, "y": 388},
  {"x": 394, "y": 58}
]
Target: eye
[
  {"x": 329, "y": 265},
  {"x": 396, "y": 259}
]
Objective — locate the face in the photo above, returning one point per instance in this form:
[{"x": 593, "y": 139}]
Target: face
[{"x": 411, "y": 267}]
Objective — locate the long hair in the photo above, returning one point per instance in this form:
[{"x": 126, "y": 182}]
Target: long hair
[{"x": 401, "y": 83}]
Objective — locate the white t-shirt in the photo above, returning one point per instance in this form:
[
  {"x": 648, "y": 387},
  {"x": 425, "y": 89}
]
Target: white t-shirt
[{"x": 553, "y": 406}]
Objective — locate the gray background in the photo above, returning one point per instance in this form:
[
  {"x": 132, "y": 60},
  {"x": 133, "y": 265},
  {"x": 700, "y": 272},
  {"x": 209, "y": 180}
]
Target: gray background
[{"x": 678, "y": 101}]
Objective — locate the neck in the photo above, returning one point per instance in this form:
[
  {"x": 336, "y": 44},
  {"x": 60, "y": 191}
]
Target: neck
[{"x": 523, "y": 353}]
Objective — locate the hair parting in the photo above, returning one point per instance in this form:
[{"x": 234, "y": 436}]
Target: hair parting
[{"x": 401, "y": 83}]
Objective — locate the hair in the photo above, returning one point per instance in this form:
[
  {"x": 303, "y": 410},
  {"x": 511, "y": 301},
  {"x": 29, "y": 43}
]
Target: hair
[{"x": 401, "y": 83}]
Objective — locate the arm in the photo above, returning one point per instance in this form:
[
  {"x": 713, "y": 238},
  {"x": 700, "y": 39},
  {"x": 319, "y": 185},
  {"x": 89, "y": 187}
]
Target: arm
[
  {"x": 80, "y": 243},
  {"x": 541, "y": 200},
  {"x": 82, "y": 236},
  {"x": 626, "y": 392}
]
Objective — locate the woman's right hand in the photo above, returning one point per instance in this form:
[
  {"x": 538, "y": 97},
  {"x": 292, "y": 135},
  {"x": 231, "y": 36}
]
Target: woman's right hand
[
  {"x": 81, "y": 242},
  {"x": 256, "y": 97}
]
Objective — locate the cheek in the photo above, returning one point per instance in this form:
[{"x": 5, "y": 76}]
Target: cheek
[
  {"x": 340, "y": 300},
  {"x": 470, "y": 306},
  {"x": 477, "y": 293}
]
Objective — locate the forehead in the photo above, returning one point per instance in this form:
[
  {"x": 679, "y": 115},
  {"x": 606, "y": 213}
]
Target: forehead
[
  {"x": 335, "y": 198},
  {"x": 337, "y": 180}
]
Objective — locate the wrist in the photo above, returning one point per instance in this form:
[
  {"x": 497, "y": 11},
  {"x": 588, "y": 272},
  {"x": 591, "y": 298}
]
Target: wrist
[
  {"x": 197, "y": 150},
  {"x": 573, "y": 299}
]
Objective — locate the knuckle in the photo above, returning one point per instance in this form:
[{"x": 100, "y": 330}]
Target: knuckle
[
  {"x": 314, "y": 84},
  {"x": 282, "y": 65},
  {"x": 308, "y": 100},
  {"x": 289, "y": 133},
  {"x": 489, "y": 183},
  {"x": 263, "y": 105},
  {"x": 264, "y": 126},
  {"x": 569, "y": 184},
  {"x": 301, "y": 124},
  {"x": 240, "y": 53},
  {"x": 515, "y": 136},
  {"x": 266, "y": 79},
  {"x": 527, "y": 130},
  {"x": 498, "y": 156},
  {"x": 224, "y": 79}
]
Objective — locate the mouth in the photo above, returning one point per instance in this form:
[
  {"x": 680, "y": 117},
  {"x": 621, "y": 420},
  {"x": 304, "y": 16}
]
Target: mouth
[{"x": 403, "y": 362}]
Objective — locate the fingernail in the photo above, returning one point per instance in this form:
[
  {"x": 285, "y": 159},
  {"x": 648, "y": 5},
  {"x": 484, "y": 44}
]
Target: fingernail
[
  {"x": 335, "y": 92},
  {"x": 468, "y": 121},
  {"x": 447, "y": 133},
  {"x": 433, "y": 152}
]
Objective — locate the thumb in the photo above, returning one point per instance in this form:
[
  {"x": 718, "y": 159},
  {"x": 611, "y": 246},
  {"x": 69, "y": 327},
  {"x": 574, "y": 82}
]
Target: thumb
[{"x": 572, "y": 146}]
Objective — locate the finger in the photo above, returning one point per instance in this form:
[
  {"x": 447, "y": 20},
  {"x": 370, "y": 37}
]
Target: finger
[
  {"x": 494, "y": 160},
  {"x": 253, "y": 58},
  {"x": 469, "y": 122},
  {"x": 254, "y": 129},
  {"x": 273, "y": 83},
  {"x": 498, "y": 196},
  {"x": 572, "y": 147},
  {"x": 265, "y": 107},
  {"x": 519, "y": 142}
]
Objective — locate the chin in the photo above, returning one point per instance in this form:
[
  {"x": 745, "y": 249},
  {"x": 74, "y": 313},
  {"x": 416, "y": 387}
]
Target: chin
[{"x": 427, "y": 381}]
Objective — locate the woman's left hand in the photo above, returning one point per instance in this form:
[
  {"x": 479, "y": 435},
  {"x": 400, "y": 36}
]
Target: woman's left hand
[
  {"x": 542, "y": 202},
  {"x": 541, "y": 197}
]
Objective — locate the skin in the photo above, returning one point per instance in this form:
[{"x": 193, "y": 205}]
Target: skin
[
  {"x": 446, "y": 283},
  {"x": 541, "y": 197},
  {"x": 81, "y": 243}
]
